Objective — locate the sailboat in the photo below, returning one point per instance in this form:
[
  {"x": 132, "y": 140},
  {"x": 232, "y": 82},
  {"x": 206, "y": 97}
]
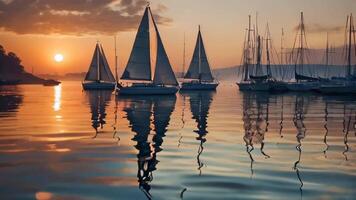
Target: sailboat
[
  {"x": 99, "y": 75},
  {"x": 264, "y": 81},
  {"x": 301, "y": 82},
  {"x": 199, "y": 76},
  {"x": 148, "y": 52},
  {"x": 245, "y": 84},
  {"x": 345, "y": 85}
]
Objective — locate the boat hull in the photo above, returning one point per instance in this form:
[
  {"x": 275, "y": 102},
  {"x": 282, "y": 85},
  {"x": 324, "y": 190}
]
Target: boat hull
[
  {"x": 260, "y": 86},
  {"x": 147, "y": 90},
  {"x": 255, "y": 86},
  {"x": 340, "y": 89},
  {"x": 244, "y": 86},
  {"x": 199, "y": 86},
  {"x": 303, "y": 86},
  {"x": 98, "y": 86}
]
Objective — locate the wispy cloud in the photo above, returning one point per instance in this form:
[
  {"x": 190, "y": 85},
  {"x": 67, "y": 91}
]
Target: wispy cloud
[
  {"x": 318, "y": 28},
  {"x": 73, "y": 17}
]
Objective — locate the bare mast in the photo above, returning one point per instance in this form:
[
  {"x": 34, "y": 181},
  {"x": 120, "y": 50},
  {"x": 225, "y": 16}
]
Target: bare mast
[
  {"x": 247, "y": 50},
  {"x": 98, "y": 62},
  {"x": 349, "y": 47},
  {"x": 183, "y": 57},
  {"x": 116, "y": 77},
  {"x": 199, "y": 53},
  {"x": 268, "y": 44}
]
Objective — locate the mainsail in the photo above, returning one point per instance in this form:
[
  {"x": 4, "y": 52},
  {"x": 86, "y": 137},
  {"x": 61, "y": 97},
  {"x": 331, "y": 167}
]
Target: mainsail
[
  {"x": 199, "y": 67},
  {"x": 139, "y": 64},
  {"x": 148, "y": 51},
  {"x": 99, "y": 69}
]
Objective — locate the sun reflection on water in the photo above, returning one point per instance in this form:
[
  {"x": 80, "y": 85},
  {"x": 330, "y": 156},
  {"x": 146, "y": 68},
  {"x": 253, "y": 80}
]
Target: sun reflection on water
[{"x": 57, "y": 98}]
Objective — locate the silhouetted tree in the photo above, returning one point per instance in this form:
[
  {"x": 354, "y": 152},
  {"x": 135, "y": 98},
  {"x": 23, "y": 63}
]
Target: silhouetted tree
[{"x": 10, "y": 63}]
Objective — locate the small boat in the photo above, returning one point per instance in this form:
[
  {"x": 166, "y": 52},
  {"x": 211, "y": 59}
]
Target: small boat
[
  {"x": 51, "y": 82},
  {"x": 346, "y": 85},
  {"x": 301, "y": 83},
  {"x": 9, "y": 82},
  {"x": 148, "y": 52},
  {"x": 199, "y": 76},
  {"x": 99, "y": 75}
]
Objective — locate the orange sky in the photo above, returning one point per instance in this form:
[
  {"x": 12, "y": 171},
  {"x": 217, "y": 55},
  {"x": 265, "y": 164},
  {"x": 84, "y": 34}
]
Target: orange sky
[{"x": 223, "y": 23}]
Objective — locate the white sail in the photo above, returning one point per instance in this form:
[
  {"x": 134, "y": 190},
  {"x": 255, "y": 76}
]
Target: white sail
[
  {"x": 105, "y": 72},
  {"x": 164, "y": 74},
  {"x": 92, "y": 74},
  {"x": 139, "y": 64},
  {"x": 199, "y": 67}
]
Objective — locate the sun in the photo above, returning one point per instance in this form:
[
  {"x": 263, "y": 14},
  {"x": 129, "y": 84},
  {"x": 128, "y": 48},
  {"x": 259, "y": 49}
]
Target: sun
[{"x": 58, "y": 57}]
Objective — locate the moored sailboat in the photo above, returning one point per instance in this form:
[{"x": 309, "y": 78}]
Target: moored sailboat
[
  {"x": 345, "y": 85},
  {"x": 148, "y": 52},
  {"x": 199, "y": 76},
  {"x": 99, "y": 75},
  {"x": 245, "y": 83},
  {"x": 302, "y": 82}
]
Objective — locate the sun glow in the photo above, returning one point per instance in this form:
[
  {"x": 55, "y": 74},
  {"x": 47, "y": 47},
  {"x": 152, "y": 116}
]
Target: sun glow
[{"x": 58, "y": 57}]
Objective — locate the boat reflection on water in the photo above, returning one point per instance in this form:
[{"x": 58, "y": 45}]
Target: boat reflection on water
[
  {"x": 200, "y": 102},
  {"x": 255, "y": 122},
  {"x": 339, "y": 111},
  {"x": 10, "y": 100},
  {"x": 149, "y": 118},
  {"x": 338, "y": 116},
  {"x": 98, "y": 101},
  {"x": 300, "y": 111}
]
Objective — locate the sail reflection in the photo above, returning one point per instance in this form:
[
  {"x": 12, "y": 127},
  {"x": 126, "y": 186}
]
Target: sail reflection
[
  {"x": 10, "y": 100},
  {"x": 255, "y": 118},
  {"x": 199, "y": 105},
  {"x": 148, "y": 116},
  {"x": 98, "y": 101}
]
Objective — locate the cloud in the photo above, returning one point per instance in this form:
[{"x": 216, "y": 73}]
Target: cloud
[
  {"x": 318, "y": 28},
  {"x": 74, "y": 17}
]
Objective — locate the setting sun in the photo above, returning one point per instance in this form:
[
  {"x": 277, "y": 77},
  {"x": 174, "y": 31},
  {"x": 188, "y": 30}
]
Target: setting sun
[{"x": 58, "y": 57}]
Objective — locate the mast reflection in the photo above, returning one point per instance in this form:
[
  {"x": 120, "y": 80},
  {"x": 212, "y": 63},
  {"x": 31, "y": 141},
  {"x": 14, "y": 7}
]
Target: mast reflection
[
  {"x": 146, "y": 114},
  {"x": 199, "y": 105},
  {"x": 300, "y": 110},
  {"x": 98, "y": 101},
  {"x": 255, "y": 118},
  {"x": 340, "y": 109}
]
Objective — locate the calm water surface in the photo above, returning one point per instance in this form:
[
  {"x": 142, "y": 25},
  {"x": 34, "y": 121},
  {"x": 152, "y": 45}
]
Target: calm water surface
[{"x": 63, "y": 143}]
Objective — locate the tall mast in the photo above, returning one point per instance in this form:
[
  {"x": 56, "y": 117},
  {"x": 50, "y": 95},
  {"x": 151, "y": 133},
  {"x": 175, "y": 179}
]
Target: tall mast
[
  {"x": 267, "y": 52},
  {"x": 258, "y": 58},
  {"x": 116, "y": 77},
  {"x": 247, "y": 62},
  {"x": 282, "y": 49},
  {"x": 327, "y": 49},
  {"x": 199, "y": 53},
  {"x": 349, "y": 48},
  {"x": 301, "y": 39},
  {"x": 183, "y": 57},
  {"x": 327, "y": 54},
  {"x": 98, "y": 62}
]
